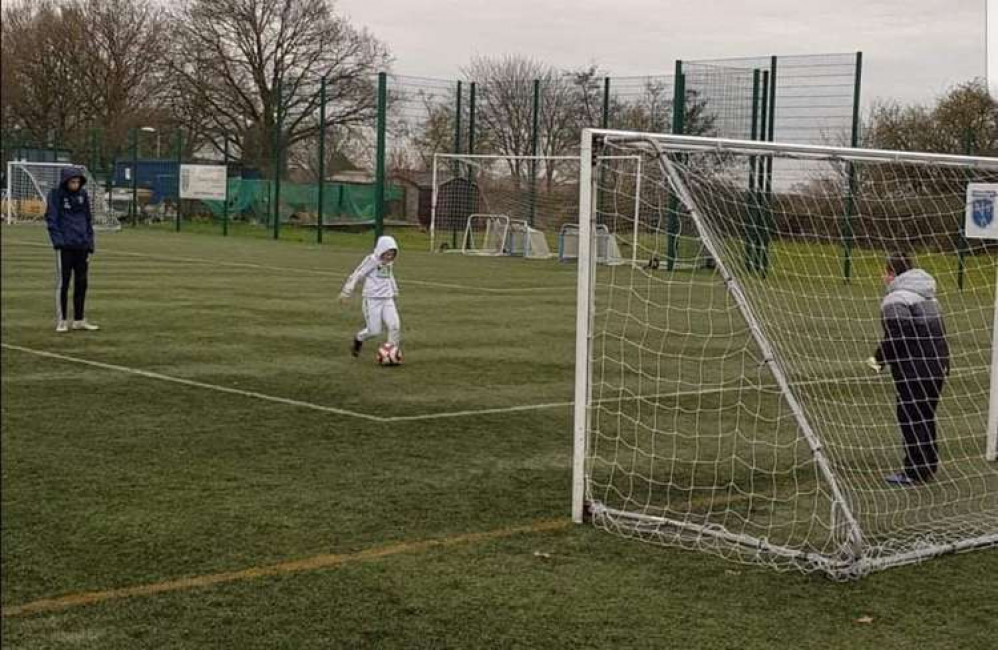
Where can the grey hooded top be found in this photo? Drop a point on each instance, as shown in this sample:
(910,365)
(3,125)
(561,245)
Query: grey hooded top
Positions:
(914,343)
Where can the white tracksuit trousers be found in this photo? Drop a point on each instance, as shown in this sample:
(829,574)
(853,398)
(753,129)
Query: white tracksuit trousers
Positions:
(378,311)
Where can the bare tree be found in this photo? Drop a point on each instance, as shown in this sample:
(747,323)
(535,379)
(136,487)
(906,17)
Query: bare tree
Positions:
(41,45)
(345,147)
(505,105)
(71,66)
(963,120)
(587,92)
(230,57)
(9,90)
(121,68)
(435,132)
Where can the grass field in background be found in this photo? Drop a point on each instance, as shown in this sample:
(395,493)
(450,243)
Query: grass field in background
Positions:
(372,507)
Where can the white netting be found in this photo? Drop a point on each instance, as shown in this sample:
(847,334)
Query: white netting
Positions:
(28,186)
(606,249)
(530,191)
(538,194)
(485,234)
(524,241)
(738,417)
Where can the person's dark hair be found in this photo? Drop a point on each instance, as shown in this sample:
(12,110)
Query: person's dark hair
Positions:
(898,263)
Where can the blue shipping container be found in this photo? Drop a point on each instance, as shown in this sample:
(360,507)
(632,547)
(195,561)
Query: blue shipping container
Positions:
(158,176)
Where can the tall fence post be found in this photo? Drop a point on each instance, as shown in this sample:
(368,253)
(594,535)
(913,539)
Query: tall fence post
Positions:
(471,117)
(962,245)
(225,203)
(605,116)
(751,234)
(322,160)
(94,151)
(534,138)
(278,127)
(379,180)
(133,208)
(850,211)
(771,136)
(678,125)
(180,161)
(109,179)
(761,199)
(456,148)
(457,118)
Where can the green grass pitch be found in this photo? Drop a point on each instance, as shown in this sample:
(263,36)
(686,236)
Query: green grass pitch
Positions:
(327,529)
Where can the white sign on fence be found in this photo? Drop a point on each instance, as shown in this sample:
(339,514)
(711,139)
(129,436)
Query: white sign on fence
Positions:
(203,182)
(982,211)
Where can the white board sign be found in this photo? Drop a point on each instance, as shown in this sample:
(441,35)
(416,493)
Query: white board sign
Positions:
(982,210)
(203,182)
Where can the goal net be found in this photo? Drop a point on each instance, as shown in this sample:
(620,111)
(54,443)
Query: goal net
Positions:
(605,249)
(28,187)
(473,193)
(485,234)
(726,407)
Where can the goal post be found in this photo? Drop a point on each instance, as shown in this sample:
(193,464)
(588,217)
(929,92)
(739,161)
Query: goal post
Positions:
(538,194)
(28,187)
(727,408)
(607,250)
(485,234)
(526,242)
(980,223)
(991,452)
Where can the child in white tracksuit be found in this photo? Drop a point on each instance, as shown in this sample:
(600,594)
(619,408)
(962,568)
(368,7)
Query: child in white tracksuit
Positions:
(377,274)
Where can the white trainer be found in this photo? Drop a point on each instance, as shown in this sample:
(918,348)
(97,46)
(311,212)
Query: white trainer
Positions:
(84,325)
(62,326)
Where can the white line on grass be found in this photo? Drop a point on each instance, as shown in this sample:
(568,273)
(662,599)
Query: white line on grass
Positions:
(196,384)
(396,418)
(461,414)
(249,265)
(633,398)
(329,409)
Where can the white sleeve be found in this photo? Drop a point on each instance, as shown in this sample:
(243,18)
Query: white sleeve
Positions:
(367,265)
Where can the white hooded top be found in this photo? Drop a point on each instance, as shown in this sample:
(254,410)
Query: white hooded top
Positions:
(377,276)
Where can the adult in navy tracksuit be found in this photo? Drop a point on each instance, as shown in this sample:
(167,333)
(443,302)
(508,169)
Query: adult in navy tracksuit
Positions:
(71,229)
(914,346)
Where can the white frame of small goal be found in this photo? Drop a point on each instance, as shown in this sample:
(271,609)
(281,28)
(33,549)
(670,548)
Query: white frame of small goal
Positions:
(445,159)
(104,218)
(855,563)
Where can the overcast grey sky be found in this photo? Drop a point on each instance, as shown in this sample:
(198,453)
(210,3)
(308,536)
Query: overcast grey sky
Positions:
(913,49)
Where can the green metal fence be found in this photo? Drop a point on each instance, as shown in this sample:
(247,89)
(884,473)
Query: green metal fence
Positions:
(375,169)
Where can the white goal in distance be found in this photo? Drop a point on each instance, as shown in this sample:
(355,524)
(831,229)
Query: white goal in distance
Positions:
(475,196)
(28,186)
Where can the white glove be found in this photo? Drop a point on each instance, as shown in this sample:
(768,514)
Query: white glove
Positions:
(873,365)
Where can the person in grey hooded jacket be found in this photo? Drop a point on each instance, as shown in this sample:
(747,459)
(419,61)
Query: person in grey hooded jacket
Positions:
(914,346)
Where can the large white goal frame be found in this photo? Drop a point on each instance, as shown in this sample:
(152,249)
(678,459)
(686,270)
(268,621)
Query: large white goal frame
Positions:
(853,556)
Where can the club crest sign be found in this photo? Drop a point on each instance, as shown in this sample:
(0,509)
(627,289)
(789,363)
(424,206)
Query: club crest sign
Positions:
(980,219)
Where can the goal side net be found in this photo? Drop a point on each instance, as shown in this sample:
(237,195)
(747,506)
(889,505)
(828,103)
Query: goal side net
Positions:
(727,406)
